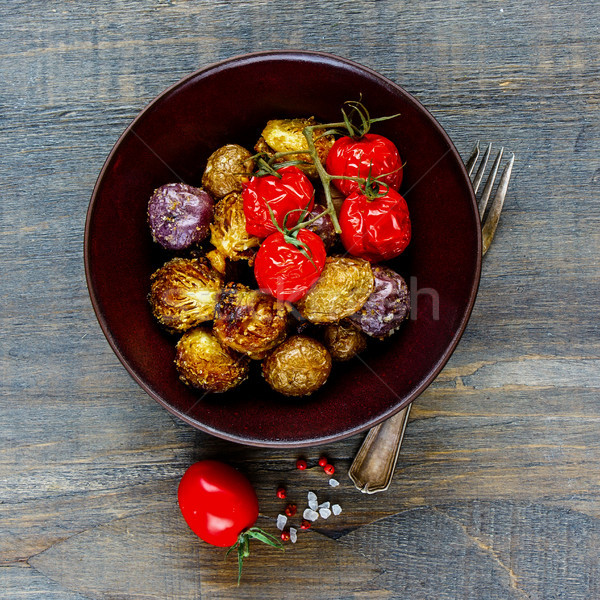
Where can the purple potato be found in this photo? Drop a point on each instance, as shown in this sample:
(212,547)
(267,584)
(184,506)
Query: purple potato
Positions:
(179,215)
(323,227)
(386,308)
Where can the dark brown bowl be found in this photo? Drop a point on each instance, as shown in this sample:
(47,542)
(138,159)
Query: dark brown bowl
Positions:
(230,102)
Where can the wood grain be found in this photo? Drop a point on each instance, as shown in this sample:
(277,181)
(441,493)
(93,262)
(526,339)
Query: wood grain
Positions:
(496,491)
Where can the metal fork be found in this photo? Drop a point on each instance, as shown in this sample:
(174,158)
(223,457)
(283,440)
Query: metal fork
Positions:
(373,467)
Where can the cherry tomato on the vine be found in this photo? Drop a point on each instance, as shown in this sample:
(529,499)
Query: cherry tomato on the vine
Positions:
(217,502)
(286,271)
(293,191)
(370,155)
(375,229)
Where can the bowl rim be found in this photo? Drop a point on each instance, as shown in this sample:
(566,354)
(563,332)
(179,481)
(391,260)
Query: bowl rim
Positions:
(241,59)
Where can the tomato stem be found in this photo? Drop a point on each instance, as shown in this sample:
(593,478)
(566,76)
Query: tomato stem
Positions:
(323,175)
(339,128)
(303,224)
(243,545)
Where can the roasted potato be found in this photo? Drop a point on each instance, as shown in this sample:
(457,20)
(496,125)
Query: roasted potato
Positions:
(297,367)
(203,363)
(323,227)
(341,290)
(337,198)
(184,292)
(179,215)
(225,169)
(229,235)
(249,321)
(285,135)
(388,305)
(343,340)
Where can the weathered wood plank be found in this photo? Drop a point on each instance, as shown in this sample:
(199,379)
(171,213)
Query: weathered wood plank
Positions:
(501,452)
(170,562)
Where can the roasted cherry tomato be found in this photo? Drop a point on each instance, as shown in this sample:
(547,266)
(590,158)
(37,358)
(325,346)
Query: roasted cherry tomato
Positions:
(370,155)
(375,229)
(220,506)
(284,270)
(293,191)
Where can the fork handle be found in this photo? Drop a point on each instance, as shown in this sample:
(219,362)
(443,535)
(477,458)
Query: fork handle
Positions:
(374,464)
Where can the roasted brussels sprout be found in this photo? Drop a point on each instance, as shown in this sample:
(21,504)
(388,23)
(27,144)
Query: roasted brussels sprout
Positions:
(323,227)
(228,233)
(249,321)
(179,215)
(343,340)
(184,292)
(341,290)
(203,363)
(297,367)
(285,135)
(225,168)
(386,307)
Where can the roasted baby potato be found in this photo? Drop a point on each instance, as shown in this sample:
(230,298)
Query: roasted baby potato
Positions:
(341,290)
(203,363)
(336,197)
(184,292)
(179,215)
(249,321)
(228,233)
(343,340)
(285,135)
(225,169)
(388,305)
(297,367)
(323,227)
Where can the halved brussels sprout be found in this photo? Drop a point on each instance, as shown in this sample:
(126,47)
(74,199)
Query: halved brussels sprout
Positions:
(202,362)
(285,135)
(229,235)
(184,293)
(249,321)
(341,290)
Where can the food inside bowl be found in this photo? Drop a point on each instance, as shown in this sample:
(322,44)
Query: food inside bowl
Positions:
(274,267)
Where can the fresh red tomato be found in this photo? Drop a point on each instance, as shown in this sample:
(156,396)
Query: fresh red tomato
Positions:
(370,155)
(220,506)
(293,191)
(375,229)
(283,270)
(217,502)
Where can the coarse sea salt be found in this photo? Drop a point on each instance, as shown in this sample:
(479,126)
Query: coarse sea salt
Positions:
(334,482)
(325,513)
(325,505)
(310,514)
(336,509)
(281,521)
(293,535)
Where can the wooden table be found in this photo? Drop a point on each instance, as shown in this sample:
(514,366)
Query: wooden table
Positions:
(497,490)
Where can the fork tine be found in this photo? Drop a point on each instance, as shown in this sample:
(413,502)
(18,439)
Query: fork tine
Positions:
(470,164)
(487,190)
(481,170)
(489,228)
